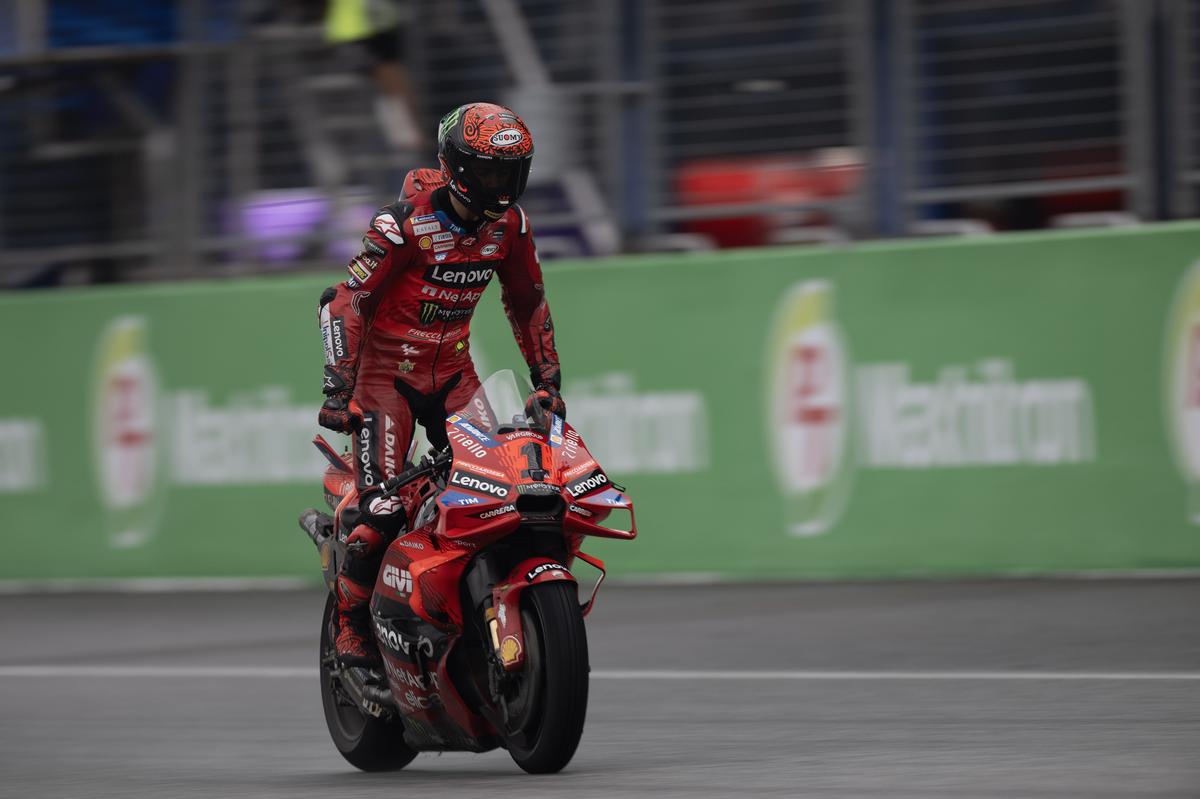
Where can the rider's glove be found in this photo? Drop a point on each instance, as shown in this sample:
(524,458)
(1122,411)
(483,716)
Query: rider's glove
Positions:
(545,398)
(545,374)
(336,413)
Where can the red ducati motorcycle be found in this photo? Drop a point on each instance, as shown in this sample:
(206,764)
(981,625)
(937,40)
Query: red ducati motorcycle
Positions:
(475,612)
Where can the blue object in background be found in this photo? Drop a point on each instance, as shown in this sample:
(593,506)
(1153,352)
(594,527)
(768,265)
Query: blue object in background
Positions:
(8,27)
(86,23)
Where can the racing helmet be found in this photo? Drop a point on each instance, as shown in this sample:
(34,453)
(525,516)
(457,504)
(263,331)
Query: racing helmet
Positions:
(485,152)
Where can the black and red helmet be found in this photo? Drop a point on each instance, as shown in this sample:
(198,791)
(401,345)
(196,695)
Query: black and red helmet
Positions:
(486,151)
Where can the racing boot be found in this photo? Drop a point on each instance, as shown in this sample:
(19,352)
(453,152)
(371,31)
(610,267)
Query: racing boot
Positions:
(354,645)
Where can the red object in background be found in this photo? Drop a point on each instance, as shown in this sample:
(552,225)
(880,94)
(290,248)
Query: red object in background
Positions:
(782,180)
(1091,162)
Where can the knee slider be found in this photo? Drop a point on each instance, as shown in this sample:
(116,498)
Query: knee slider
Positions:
(364,554)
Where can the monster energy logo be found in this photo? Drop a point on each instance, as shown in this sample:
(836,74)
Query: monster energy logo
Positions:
(432,312)
(429,312)
(448,122)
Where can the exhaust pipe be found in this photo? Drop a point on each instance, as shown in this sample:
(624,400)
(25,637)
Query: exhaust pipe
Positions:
(371,697)
(319,527)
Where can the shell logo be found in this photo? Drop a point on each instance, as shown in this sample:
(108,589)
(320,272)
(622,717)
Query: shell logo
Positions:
(1182,371)
(809,428)
(125,440)
(510,649)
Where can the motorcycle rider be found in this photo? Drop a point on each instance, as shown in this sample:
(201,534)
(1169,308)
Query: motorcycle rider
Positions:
(396,332)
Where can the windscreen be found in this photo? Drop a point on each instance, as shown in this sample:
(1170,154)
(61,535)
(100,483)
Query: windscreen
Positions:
(498,403)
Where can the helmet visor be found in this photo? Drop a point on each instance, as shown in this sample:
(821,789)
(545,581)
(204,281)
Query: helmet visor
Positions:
(498,181)
(495,177)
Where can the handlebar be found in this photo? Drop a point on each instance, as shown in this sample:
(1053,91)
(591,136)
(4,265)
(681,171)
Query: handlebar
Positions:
(427,465)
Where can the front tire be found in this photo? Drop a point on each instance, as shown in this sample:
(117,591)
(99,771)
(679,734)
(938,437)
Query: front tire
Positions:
(368,743)
(546,710)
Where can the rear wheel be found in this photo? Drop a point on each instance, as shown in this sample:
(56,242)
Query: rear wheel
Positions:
(546,703)
(368,743)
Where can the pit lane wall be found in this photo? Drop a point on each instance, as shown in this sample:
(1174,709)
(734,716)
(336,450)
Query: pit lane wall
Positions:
(1027,403)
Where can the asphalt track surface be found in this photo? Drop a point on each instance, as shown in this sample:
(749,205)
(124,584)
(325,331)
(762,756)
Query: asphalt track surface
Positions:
(984,689)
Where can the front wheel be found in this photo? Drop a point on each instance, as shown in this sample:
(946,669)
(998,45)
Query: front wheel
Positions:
(368,743)
(547,701)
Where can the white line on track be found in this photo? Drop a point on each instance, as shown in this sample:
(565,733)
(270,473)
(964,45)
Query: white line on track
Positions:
(154,585)
(894,675)
(293,672)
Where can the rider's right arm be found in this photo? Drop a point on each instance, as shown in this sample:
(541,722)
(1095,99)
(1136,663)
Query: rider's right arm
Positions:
(346,308)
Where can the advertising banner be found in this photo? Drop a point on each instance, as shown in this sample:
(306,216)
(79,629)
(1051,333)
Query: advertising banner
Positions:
(1018,404)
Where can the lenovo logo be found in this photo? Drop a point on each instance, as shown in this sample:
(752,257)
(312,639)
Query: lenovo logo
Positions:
(480,484)
(458,276)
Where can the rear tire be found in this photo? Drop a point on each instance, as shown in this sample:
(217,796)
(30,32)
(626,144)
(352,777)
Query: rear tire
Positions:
(550,705)
(368,743)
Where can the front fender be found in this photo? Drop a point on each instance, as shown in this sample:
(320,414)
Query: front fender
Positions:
(506,605)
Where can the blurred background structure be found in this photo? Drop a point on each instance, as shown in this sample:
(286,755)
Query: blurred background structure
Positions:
(153,139)
(974,407)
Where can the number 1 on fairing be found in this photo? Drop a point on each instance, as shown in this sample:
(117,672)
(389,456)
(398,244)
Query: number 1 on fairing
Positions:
(533,456)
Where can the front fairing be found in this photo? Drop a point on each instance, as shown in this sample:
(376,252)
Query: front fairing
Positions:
(510,469)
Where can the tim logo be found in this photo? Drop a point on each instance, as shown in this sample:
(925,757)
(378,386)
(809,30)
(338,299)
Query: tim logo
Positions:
(397,578)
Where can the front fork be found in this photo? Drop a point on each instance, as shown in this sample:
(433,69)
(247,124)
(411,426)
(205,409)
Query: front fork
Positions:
(495,593)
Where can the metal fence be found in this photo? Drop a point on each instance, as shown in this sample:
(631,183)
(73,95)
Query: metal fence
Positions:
(1184,70)
(236,137)
(1018,99)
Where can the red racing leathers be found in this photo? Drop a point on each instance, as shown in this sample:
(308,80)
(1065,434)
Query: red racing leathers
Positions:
(396,332)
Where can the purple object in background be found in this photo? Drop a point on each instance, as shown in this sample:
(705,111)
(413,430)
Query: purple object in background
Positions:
(279,220)
(352,220)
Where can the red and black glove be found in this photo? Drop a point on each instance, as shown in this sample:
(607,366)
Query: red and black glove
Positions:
(336,413)
(545,399)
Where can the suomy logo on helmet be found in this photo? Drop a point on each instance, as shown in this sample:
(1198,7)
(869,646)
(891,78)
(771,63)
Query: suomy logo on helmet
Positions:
(506,138)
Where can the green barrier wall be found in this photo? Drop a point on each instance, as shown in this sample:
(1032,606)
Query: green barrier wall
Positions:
(1027,403)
